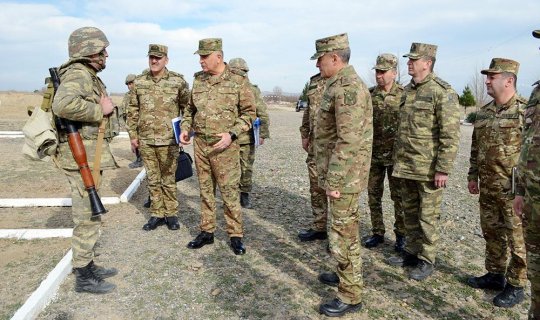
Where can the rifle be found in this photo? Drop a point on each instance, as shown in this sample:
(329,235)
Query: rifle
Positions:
(79,153)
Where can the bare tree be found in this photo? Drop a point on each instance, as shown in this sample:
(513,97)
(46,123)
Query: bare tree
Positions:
(478,88)
(278,93)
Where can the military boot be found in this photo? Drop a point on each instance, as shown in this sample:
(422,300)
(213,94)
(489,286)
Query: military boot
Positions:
(137,163)
(399,246)
(373,241)
(87,281)
(148,202)
(509,297)
(422,270)
(102,272)
(244,200)
(493,281)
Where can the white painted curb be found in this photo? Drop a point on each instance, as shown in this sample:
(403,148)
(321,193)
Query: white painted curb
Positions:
(29,234)
(133,186)
(47,202)
(46,290)
(19,134)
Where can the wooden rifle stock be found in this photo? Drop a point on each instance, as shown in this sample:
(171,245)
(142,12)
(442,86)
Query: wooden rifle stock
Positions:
(79,154)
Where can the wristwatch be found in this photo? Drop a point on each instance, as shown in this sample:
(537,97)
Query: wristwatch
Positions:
(233,135)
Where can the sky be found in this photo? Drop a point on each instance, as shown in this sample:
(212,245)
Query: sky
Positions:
(275,37)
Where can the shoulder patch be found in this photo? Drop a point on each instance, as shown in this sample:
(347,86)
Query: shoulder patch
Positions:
(349,97)
(442,83)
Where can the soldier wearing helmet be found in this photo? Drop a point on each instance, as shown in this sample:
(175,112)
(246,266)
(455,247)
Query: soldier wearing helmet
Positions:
(246,140)
(82,97)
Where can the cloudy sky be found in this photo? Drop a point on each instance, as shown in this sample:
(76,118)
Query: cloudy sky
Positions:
(276,37)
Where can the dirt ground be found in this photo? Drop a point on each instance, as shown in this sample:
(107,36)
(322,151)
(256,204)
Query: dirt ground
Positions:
(277,279)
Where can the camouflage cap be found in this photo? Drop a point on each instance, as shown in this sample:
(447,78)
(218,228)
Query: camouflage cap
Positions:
(239,63)
(536,33)
(157,50)
(386,61)
(419,50)
(329,44)
(86,41)
(500,65)
(209,45)
(130,78)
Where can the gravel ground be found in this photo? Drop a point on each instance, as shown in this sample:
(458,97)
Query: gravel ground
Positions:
(277,278)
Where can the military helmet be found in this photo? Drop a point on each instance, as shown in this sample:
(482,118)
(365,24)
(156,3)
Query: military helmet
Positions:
(86,41)
(239,63)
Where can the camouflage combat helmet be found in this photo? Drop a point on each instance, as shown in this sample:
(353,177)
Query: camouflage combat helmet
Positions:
(239,63)
(86,41)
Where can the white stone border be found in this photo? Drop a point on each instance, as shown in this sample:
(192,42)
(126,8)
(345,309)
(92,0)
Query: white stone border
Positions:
(133,186)
(29,234)
(46,290)
(19,134)
(47,202)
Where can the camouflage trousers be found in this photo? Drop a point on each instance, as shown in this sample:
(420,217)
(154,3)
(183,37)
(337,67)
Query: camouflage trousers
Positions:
(421,203)
(344,238)
(221,168)
(377,173)
(531,224)
(87,229)
(247,158)
(319,202)
(502,230)
(160,165)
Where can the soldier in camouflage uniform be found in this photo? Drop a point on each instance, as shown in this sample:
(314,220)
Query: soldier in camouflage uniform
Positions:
(386,97)
(319,203)
(343,137)
(137,163)
(424,153)
(246,140)
(527,200)
(221,107)
(496,142)
(158,96)
(82,97)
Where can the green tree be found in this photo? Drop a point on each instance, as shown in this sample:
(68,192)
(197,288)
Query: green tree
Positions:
(467,99)
(303,96)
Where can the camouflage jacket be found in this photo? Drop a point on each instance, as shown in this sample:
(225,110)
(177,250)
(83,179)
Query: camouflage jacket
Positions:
(154,102)
(78,99)
(314,95)
(496,143)
(428,134)
(343,133)
(529,160)
(218,104)
(385,122)
(122,110)
(260,112)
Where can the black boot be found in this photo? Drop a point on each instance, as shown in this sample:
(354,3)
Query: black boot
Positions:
(400,243)
(172,223)
(87,281)
(337,308)
(148,202)
(493,281)
(244,200)
(136,164)
(403,259)
(509,297)
(422,270)
(329,278)
(311,235)
(237,246)
(373,241)
(102,272)
(153,223)
(201,240)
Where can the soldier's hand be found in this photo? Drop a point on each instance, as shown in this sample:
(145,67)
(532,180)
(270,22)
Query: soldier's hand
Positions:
(184,138)
(107,105)
(261,141)
(224,142)
(440,179)
(333,194)
(134,145)
(473,187)
(305,144)
(518,206)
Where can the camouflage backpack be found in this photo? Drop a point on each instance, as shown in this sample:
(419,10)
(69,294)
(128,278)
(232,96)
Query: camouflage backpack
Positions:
(40,135)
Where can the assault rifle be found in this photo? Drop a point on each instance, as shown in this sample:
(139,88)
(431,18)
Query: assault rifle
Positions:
(79,153)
